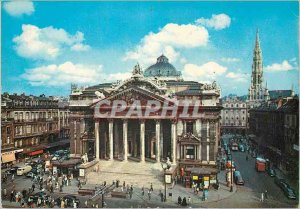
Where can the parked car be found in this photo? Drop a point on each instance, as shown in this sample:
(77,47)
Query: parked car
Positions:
(288,191)
(239,180)
(30,175)
(236,173)
(14,169)
(271,172)
(55,157)
(23,170)
(8,172)
(241,148)
(37,195)
(70,199)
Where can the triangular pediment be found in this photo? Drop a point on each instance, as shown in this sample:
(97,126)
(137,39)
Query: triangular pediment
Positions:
(189,138)
(132,94)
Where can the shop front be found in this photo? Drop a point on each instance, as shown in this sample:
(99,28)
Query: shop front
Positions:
(8,157)
(66,167)
(202,177)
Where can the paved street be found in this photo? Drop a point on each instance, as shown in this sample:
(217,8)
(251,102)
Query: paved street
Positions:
(243,196)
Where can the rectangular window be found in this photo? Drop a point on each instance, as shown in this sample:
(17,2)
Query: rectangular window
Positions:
(204,129)
(16,116)
(190,152)
(204,151)
(189,127)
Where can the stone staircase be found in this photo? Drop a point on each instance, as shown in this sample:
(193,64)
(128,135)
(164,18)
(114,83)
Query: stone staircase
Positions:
(133,173)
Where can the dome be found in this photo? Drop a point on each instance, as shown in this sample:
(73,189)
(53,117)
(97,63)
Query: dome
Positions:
(162,68)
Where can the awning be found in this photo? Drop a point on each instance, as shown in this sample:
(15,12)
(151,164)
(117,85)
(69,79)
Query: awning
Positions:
(36,152)
(8,157)
(59,143)
(203,170)
(66,163)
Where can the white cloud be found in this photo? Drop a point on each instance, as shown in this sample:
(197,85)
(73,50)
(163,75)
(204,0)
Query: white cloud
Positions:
(18,7)
(170,38)
(237,76)
(80,47)
(206,71)
(68,72)
(284,66)
(46,43)
(230,59)
(217,22)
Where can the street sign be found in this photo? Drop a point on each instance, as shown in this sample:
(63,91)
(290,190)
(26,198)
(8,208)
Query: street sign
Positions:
(81,172)
(168,179)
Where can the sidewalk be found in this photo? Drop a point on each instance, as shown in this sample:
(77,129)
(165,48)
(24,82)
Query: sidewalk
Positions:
(178,190)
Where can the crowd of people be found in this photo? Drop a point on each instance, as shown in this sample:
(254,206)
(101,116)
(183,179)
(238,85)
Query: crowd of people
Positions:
(36,196)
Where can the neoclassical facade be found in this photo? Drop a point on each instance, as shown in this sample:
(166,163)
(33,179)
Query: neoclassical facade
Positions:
(234,116)
(147,118)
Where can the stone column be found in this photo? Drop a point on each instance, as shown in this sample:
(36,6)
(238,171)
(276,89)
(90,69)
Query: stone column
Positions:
(207,127)
(173,142)
(142,140)
(200,136)
(184,126)
(97,140)
(63,119)
(125,143)
(111,138)
(59,123)
(157,133)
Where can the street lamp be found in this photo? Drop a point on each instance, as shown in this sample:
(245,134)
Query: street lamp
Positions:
(165,166)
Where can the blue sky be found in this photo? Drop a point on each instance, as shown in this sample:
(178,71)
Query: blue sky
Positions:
(48,45)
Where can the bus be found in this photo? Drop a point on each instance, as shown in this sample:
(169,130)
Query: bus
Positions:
(234,146)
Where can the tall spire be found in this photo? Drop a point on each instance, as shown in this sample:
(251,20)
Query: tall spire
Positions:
(256,87)
(257,44)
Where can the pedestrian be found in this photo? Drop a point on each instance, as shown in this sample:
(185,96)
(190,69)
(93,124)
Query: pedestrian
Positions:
(39,202)
(161,196)
(13,177)
(130,194)
(197,189)
(189,200)
(179,200)
(149,194)
(74,204)
(262,197)
(184,203)
(143,191)
(12,196)
(62,203)
(4,192)
(131,188)
(266,194)
(124,185)
(66,202)
(51,188)
(151,187)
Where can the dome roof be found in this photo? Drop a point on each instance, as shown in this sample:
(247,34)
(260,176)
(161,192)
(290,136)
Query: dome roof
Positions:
(162,68)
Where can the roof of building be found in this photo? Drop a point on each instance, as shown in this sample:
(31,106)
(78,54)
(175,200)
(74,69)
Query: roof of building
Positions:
(291,105)
(98,86)
(162,68)
(275,94)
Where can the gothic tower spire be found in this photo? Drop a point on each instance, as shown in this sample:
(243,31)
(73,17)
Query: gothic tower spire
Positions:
(256,89)
(257,70)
